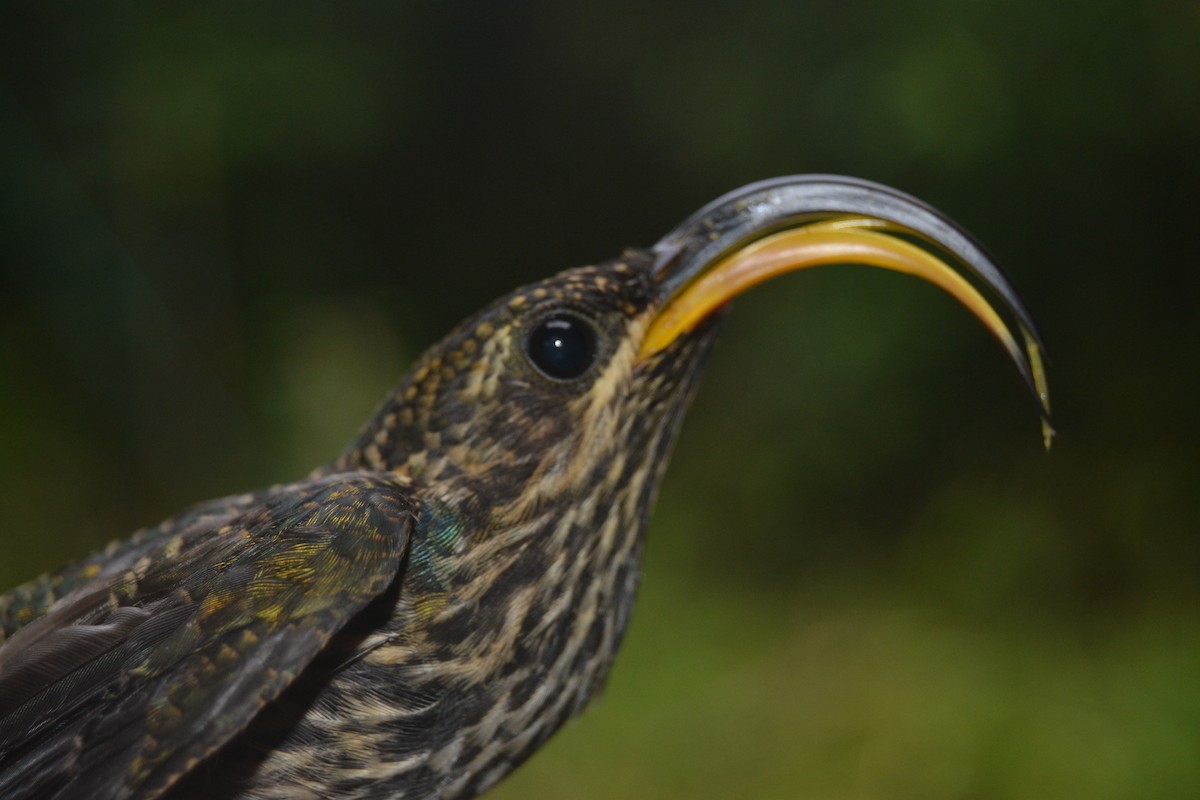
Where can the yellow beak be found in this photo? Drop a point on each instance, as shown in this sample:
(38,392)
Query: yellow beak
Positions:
(696,283)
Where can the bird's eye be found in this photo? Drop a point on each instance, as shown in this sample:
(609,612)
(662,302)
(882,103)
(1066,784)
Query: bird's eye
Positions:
(562,346)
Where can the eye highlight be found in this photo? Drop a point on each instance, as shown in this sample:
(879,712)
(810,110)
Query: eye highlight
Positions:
(562,346)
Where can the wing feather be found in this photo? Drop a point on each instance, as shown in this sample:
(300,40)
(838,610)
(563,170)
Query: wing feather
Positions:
(127,683)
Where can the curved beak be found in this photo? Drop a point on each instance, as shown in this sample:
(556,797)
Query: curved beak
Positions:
(786,224)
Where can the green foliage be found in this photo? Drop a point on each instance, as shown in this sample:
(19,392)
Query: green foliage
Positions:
(225,230)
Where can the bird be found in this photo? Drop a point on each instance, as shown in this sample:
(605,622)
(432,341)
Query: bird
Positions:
(415,618)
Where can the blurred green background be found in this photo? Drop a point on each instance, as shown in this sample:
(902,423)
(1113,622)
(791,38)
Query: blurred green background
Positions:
(227,229)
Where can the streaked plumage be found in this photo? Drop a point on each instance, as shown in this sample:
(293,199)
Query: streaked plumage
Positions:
(416,618)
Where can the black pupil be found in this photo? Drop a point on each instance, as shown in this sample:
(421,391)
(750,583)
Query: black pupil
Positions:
(562,346)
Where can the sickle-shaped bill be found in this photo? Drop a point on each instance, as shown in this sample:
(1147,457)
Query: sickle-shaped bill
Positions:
(789,224)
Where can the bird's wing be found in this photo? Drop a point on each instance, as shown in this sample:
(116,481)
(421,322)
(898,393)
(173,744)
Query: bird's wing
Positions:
(23,604)
(128,683)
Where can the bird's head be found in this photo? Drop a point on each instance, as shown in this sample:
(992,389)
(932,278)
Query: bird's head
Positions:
(543,393)
(574,387)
